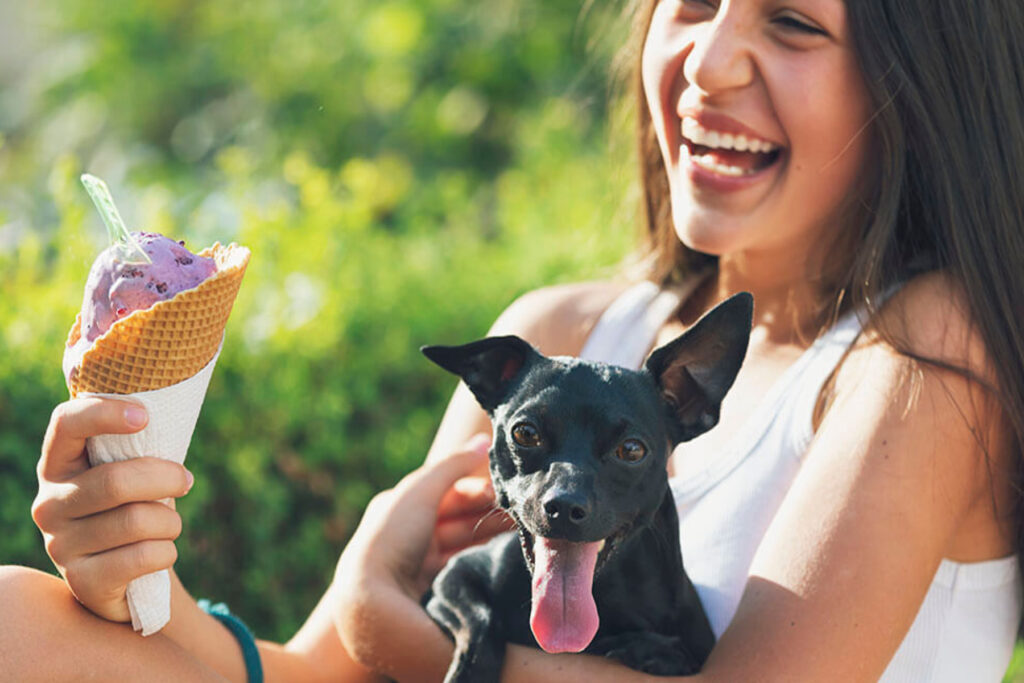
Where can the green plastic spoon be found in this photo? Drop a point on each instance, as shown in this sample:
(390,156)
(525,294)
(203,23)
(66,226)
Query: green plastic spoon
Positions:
(128,249)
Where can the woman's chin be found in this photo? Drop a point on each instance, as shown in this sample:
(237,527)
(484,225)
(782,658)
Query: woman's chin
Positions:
(714,240)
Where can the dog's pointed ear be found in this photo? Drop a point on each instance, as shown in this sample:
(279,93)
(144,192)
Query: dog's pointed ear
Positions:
(696,369)
(488,366)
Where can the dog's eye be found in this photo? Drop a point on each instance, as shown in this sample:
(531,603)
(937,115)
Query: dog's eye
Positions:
(631,450)
(525,434)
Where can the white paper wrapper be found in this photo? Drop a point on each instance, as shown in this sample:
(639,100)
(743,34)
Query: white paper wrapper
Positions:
(173,413)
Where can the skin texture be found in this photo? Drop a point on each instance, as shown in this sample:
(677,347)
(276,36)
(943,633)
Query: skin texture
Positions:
(907,465)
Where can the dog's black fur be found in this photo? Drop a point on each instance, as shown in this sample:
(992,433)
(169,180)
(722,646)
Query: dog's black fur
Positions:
(564,465)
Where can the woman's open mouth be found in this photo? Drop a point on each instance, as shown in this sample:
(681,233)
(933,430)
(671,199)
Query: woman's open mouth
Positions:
(726,155)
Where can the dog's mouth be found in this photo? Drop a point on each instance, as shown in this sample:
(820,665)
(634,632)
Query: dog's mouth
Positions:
(605,547)
(563,615)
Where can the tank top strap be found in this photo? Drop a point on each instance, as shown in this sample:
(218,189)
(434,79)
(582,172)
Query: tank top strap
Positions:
(627,329)
(807,377)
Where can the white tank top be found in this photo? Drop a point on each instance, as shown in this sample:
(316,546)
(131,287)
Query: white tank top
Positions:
(966,627)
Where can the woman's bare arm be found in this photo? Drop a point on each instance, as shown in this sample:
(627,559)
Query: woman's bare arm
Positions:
(894,473)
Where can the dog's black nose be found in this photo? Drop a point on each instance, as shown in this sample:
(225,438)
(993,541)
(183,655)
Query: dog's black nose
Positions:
(565,508)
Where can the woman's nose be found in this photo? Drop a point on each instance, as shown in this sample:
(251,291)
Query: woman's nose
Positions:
(721,57)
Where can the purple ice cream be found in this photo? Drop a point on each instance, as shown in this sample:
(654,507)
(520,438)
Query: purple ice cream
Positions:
(116,289)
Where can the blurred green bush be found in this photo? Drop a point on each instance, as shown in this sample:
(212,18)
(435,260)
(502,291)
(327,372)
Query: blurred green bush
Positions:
(400,170)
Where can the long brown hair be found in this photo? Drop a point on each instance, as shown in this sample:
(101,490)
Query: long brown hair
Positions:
(946,192)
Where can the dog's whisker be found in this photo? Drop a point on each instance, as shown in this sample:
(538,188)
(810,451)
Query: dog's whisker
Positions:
(490,513)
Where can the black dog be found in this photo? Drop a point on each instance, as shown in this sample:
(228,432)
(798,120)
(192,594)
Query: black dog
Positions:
(579,463)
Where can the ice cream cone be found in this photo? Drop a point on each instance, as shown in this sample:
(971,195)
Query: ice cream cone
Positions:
(162,358)
(168,342)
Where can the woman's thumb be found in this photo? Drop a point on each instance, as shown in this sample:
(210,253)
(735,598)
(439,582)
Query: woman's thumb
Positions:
(432,480)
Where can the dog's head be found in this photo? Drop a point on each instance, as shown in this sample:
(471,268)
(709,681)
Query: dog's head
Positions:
(580,448)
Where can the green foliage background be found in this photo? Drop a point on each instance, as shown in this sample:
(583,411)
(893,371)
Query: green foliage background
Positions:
(401,171)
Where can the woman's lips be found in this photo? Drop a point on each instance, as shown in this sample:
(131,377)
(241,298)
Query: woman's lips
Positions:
(712,170)
(716,121)
(699,134)
(720,154)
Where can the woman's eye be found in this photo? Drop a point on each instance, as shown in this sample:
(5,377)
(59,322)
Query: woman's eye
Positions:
(526,435)
(795,24)
(631,450)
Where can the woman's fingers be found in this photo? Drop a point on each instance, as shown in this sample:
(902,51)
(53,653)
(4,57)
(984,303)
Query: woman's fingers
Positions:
(99,580)
(72,422)
(111,485)
(468,513)
(454,534)
(106,487)
(396,535)
(399,523)
(471,495)
(124,526)
(429,483)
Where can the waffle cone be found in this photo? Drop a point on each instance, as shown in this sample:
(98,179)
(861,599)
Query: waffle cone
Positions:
(168,342)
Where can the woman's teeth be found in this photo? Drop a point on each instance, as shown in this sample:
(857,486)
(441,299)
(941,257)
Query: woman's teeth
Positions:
(699,135)
(706,162)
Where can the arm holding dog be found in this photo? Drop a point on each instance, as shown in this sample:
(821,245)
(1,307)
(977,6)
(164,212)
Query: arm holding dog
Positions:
(894,473)
(897,479)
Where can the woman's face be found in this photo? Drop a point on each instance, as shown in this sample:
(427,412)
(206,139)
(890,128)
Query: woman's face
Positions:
(760,111)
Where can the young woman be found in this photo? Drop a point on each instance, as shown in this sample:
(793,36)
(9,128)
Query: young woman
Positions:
(854,514)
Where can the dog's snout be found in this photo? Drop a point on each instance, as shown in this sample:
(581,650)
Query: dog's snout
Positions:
(565,508)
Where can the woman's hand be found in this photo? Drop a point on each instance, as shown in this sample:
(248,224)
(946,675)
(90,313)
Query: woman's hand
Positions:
(385,569)
(401,536)
(101,525)
(467,514)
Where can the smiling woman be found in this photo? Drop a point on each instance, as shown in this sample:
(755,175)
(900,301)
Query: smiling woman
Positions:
(857,496)
(854,511)
(785,84)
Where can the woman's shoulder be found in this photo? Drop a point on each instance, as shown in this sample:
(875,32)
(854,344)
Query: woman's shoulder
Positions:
(919,390)
(930,318)
(921,351)
(558,319)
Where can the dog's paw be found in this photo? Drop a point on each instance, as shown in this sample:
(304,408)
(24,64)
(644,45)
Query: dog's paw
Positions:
(651,653)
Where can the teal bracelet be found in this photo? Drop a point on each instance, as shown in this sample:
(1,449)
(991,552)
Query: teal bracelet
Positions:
(241,632)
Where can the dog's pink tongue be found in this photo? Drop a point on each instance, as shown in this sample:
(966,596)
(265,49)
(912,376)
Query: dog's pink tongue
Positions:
(564,615)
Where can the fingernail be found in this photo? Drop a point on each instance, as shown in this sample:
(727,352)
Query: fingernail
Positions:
(134,416)
(189,480)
